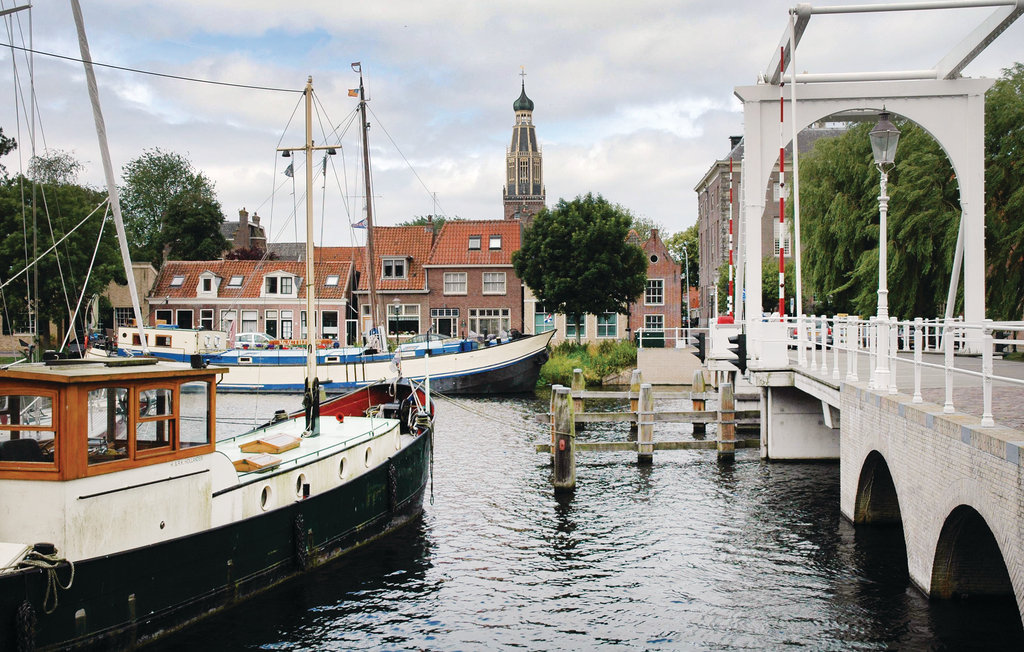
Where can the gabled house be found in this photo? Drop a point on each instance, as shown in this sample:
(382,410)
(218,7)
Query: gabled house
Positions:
(401,279)
(473,286)
(242,296)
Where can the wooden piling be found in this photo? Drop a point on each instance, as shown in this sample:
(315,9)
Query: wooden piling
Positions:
(564,468)
(645,432)
(635,380)
(726,422)
(699,387)
(578,385)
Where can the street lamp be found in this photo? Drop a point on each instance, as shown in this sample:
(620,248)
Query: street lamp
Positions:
(884,138)
(686,292)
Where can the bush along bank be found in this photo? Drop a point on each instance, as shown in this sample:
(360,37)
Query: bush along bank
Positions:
(597,361)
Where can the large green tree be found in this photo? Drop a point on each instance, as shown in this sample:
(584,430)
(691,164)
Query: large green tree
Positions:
(7,145)
(62,272)
(576,259)
(1004,195)
(192,228)
(151,181)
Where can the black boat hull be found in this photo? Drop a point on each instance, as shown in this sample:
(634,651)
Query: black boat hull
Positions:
(126,599)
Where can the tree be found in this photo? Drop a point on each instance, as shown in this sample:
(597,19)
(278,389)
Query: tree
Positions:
(63,272)
(675,243)
(55,167)
(576,259)
(437,221)
(151,181)
(250,253)
(7,145)
(1004,195)
(642,225)
(192,227)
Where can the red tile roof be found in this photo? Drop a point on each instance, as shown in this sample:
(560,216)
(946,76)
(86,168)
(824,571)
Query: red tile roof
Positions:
(409,242)
(452,246)
(252,273)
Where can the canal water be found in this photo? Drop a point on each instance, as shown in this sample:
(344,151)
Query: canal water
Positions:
(686,554)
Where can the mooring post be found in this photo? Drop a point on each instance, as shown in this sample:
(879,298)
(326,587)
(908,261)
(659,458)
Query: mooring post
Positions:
(578,385)
(698,387)
(635,380)
(564,475)
(726,422)
(551,411)
(645,419)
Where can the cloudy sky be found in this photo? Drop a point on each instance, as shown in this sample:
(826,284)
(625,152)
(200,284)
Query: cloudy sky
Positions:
(634,100)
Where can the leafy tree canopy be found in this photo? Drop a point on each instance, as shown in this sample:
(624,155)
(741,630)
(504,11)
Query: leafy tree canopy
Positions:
(250,253)
(192,227)
(62,273)
(151,181)
(55,167)
(642,225)
(7,145)
(576,259)
(436,220)
(675,242)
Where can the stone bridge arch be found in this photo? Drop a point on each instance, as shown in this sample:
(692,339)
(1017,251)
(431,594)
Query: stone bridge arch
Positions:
(968,560)
(877,500)
(951,110)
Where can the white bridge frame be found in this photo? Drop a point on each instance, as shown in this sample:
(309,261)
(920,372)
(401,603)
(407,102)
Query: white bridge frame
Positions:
(950,108)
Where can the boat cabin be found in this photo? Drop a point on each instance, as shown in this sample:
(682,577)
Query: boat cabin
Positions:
(70,419)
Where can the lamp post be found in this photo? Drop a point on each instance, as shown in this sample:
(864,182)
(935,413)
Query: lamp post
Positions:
(884,138)
(686,292)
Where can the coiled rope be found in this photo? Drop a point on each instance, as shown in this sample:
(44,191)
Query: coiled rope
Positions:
(49,564)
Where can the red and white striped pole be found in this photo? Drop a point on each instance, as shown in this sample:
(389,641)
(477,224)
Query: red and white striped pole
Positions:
(782,186)
(732,268)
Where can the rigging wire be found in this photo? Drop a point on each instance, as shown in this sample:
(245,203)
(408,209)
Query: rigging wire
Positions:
(74,316)
(402,154)
(152,73)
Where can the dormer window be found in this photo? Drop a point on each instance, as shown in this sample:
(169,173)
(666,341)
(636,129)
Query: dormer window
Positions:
(177,281)
(474,242)
(279,285)
(495,242)
(332,280)
(235,281)
(206,284)
(394,268)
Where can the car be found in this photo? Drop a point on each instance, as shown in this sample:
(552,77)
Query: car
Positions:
(252,341)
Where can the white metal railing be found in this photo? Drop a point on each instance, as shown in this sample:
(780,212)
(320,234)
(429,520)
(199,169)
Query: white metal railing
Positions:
(668,338)
(825,344)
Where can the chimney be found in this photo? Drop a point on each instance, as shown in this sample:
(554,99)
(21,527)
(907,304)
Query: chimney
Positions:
(654,234)
(243,217)
(734,141)
(256,219)
(242,233)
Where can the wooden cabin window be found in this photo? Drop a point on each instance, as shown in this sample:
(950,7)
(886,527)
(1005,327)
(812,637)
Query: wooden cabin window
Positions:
(155,428)
(195,414)
(108,424)
(27,431)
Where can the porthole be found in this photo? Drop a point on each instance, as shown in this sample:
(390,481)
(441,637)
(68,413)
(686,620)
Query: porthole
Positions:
(341,468)
(654,258)
(265,498)
(369,454)
(299,482)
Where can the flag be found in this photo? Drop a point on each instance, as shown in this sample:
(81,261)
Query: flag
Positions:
(549,318)
(289,171)
(396,363)
(353,92)
(361,224)
(357,67)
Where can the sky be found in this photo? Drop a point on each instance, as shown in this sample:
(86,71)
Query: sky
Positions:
(633,100)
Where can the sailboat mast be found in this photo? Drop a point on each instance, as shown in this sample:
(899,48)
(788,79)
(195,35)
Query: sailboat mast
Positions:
(108,172)
(371,265)
(310,273)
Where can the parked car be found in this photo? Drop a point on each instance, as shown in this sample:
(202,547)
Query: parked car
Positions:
(252,341)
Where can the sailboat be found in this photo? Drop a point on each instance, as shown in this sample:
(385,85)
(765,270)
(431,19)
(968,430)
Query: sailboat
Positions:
(125,519)
(501,365)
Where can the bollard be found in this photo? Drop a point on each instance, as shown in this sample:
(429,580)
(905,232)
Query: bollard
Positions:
(700,430)
(551,411)
(645,419)
(635,380)
(564,474)
(578,385)
(726,422)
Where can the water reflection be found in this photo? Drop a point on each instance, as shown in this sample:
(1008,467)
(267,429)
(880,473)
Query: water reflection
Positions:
(687,553)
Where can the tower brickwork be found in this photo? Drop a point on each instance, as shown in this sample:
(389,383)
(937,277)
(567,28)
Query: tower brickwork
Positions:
(523,193)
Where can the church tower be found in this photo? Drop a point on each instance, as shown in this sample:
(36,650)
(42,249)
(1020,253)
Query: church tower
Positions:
(524,181)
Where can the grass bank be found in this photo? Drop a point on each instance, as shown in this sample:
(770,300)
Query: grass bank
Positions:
(596,360)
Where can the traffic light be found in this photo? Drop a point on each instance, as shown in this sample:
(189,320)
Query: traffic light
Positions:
(740,350)
(702,346)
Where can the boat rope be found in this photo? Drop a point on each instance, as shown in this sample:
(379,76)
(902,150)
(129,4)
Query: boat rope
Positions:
(49,564)
(464,405)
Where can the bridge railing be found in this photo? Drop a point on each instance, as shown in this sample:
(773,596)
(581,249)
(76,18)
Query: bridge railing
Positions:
(667,338)
(824,344)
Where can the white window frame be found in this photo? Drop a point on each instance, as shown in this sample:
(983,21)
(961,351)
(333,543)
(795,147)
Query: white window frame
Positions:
(402,312)
(503,315)
(570,327)
(394,267)
(206,318)
(250,322)
(654,322)
(496,283)
(235,281)
(494,242)
(456,283)
(177,281)
(332,280)
(654,293)
(474,242)
(610,326)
